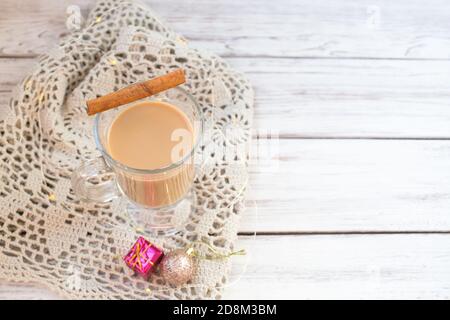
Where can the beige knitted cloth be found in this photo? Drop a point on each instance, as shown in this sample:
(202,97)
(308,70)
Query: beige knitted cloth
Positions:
(50,237)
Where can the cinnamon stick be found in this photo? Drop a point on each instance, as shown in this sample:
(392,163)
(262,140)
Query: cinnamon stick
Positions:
(135,92)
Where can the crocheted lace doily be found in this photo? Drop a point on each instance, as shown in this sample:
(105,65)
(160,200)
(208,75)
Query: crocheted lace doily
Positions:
(47,235)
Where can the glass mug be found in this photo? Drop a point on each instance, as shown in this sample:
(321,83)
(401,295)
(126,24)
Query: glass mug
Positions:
(161,199)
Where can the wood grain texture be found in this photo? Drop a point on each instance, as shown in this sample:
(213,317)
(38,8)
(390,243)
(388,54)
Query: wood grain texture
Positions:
(292,28)
(326,267)
(333,98)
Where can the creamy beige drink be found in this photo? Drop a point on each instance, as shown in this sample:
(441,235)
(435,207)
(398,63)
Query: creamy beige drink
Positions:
(153,135)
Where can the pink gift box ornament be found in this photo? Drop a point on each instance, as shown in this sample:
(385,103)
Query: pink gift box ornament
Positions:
(143,256)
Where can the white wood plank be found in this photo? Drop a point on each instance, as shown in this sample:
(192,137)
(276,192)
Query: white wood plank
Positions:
(334,98)
(294,28)
(345,267)
(352,185)
(327,267)
(357,185)
(350,98)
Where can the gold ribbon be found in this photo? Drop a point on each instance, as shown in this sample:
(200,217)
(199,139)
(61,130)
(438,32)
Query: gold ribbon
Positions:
(137,255)
(216,255)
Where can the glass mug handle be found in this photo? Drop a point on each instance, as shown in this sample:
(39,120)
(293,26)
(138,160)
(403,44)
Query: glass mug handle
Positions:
(95,181)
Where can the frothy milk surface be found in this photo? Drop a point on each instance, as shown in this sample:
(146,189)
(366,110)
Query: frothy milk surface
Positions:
(141,136)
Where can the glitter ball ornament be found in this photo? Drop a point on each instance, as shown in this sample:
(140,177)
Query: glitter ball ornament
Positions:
(178,267)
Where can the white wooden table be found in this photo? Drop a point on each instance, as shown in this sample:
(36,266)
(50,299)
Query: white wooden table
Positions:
(359,93)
